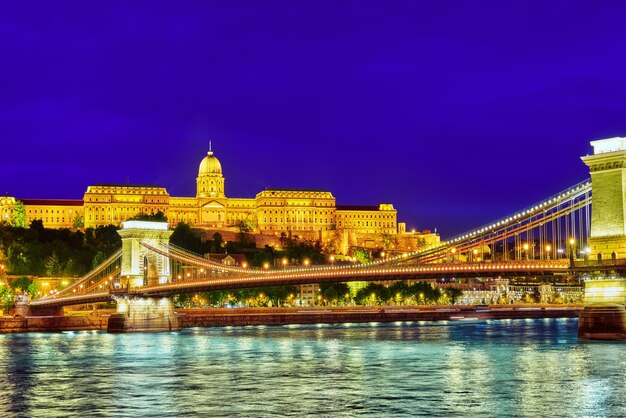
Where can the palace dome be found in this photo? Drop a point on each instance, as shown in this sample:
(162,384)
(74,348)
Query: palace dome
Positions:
(210,165)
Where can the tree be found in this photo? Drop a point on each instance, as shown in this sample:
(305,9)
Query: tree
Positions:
(78,222)
(453,293)
(362,256)
(217,242)
(36,225)
(331,295)
(425,292)
(184,237)
(7,298)
(245,226)
(108,239)
(155,217)
(21,285)
(53,266)
(19,215)
(98,259)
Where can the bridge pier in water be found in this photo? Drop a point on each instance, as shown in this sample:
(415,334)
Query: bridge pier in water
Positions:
(141,267)
(604,316)
(142,314)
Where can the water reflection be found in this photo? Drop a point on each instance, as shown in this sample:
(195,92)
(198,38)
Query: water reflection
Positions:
(490,368)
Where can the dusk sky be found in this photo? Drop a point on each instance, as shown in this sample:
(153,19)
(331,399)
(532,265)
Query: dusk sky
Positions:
(458,113)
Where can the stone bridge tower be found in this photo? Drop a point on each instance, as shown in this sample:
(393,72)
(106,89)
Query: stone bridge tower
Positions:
(140,266)
(608,199)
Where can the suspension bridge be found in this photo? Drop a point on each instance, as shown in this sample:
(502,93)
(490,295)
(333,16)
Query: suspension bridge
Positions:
(558,235)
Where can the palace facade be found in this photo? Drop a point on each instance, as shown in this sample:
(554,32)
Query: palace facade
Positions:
(311,214)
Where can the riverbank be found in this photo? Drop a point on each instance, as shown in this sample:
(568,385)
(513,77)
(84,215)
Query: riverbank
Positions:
(219,317)
(10,325)
(289,316)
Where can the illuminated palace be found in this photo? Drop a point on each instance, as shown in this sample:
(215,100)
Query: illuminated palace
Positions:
(310,214)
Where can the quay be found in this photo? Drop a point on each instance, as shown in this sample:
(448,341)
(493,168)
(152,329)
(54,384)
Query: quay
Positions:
(218,317)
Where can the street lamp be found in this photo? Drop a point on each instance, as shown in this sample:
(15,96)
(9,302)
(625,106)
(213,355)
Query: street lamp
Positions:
(525,247)
(548,249)
(284,262)
(306,262)
(572,243)
(332,259)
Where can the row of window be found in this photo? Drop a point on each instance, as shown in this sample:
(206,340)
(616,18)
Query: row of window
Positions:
(34,211)
(126,191)
(366,224)
(362,216)
(283,203)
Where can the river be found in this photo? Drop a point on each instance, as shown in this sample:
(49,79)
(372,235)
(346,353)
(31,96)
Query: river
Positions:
(464,368)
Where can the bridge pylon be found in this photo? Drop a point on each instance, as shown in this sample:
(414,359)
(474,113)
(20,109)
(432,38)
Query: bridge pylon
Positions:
(607,166)
(604,316)
(142,267)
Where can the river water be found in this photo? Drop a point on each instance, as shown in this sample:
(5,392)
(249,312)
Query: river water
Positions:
(534,368)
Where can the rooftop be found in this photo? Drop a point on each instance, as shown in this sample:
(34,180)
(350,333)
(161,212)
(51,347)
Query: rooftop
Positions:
(52,202)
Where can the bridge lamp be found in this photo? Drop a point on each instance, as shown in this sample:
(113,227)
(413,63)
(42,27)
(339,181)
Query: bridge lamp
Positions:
(266,265)
(284,262)
(244,265)
(548,247)
(306,262)
(572,241)
(332,259)
(525,246)
(382,254)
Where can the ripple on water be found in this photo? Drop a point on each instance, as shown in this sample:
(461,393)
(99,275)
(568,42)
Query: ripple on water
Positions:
(490,368)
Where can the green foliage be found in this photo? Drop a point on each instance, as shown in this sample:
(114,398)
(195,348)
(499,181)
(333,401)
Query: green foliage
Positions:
(21,284)
(40,251)
(36,225)
(98,259)
(78,222)
(108,238)
(7,298)
(335,293)
(255,297)
(18,219)
(53,265)
(267,255)
(453,294)
(184,237)
(425,292)
(155,217)
(32,289)
(218,242)
(362,256)
(372,294)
